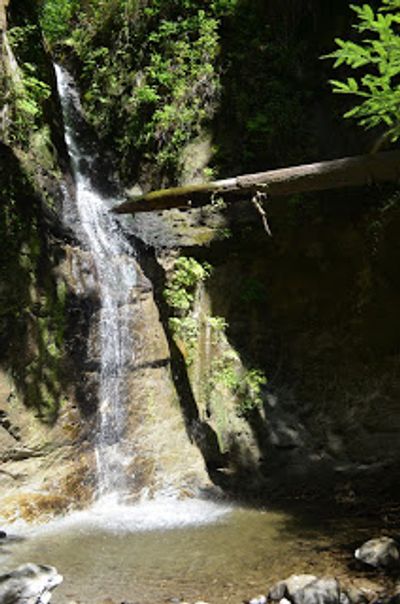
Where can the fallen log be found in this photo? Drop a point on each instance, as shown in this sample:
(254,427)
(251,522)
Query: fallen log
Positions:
(338,173)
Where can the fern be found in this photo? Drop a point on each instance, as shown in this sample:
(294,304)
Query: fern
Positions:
(376,63)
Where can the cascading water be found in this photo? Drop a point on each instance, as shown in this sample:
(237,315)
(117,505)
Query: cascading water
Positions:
(101,235)
(100,232)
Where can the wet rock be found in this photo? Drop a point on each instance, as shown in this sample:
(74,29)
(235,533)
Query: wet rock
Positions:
(261,599)
(352,595)
(29,584)
(3,535)
(307,589)
(290,585)
(382,552)
(321,591)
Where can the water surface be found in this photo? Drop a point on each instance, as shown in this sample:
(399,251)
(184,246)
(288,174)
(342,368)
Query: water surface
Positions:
(194,550)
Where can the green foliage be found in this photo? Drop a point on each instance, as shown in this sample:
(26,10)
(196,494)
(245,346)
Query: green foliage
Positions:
(223,233)
(250,390)
(31,93)
(186,275)
(148,72)
(245,385)
(55,18)
(217,324)
(27,92)
(376,65)
(186,329)
(180,294)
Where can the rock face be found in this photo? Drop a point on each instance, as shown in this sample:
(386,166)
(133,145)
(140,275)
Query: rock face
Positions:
(311,307)
(382,552)
(41,435)
(29,584)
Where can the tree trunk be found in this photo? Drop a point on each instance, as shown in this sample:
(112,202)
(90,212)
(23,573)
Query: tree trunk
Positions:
(347,172)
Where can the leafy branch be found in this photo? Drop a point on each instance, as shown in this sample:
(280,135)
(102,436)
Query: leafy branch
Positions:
(377,60)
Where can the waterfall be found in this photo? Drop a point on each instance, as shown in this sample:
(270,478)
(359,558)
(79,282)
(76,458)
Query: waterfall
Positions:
(99,232)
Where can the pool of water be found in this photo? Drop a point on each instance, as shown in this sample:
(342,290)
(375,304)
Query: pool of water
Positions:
(193,550)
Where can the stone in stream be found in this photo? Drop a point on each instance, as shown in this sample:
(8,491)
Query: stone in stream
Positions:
(284,589)
(29,584)
(308,589)
(261,599)
(382,552)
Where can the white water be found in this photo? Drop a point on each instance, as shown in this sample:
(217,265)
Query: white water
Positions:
(100,232)
(109,515)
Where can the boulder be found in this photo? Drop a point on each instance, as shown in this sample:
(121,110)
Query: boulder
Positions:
(382,552)
(29,584)
(290,585)
(307,589)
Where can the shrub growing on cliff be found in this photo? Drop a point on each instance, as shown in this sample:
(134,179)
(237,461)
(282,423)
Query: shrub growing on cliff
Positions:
(244,385)
(185,277)
(147,71)
(375,61)
(56,17)
(27,92)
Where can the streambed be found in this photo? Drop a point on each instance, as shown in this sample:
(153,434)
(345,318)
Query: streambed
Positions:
(194,550)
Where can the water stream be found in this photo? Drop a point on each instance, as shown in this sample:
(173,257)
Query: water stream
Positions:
(102,236)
